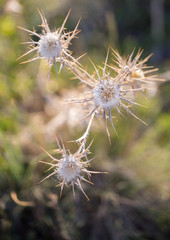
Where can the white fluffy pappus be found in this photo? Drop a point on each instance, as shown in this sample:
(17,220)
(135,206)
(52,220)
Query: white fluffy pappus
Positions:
(106,94)
(50,45)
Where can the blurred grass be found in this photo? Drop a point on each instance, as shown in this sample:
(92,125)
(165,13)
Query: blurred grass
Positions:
(132,200)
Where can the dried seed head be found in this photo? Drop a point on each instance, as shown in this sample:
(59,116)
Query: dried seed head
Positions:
(106,94)
(70,168)
(52,46)
(138,74)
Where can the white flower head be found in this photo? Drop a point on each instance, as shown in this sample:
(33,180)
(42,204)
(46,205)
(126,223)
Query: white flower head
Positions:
(70,168)
(52,46)
(107,94)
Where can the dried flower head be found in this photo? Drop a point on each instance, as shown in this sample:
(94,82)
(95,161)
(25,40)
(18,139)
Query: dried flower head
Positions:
(52,46)
(70,168)
(138,73)
(107,93)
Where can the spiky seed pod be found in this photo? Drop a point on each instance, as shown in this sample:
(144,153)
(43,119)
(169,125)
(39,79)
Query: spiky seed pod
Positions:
(107,93)
(139,75)
(70,168)
(52,46)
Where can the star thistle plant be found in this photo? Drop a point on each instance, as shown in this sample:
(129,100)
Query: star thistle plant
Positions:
(108,93)
(138,73)
(52,46)
(112,89)
(70,168)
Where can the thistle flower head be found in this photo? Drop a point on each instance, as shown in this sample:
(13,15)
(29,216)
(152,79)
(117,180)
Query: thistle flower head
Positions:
(52,46)
(70,168)
(108,93)
(138,74)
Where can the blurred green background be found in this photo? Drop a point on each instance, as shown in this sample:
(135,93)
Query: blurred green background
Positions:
(132,202)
